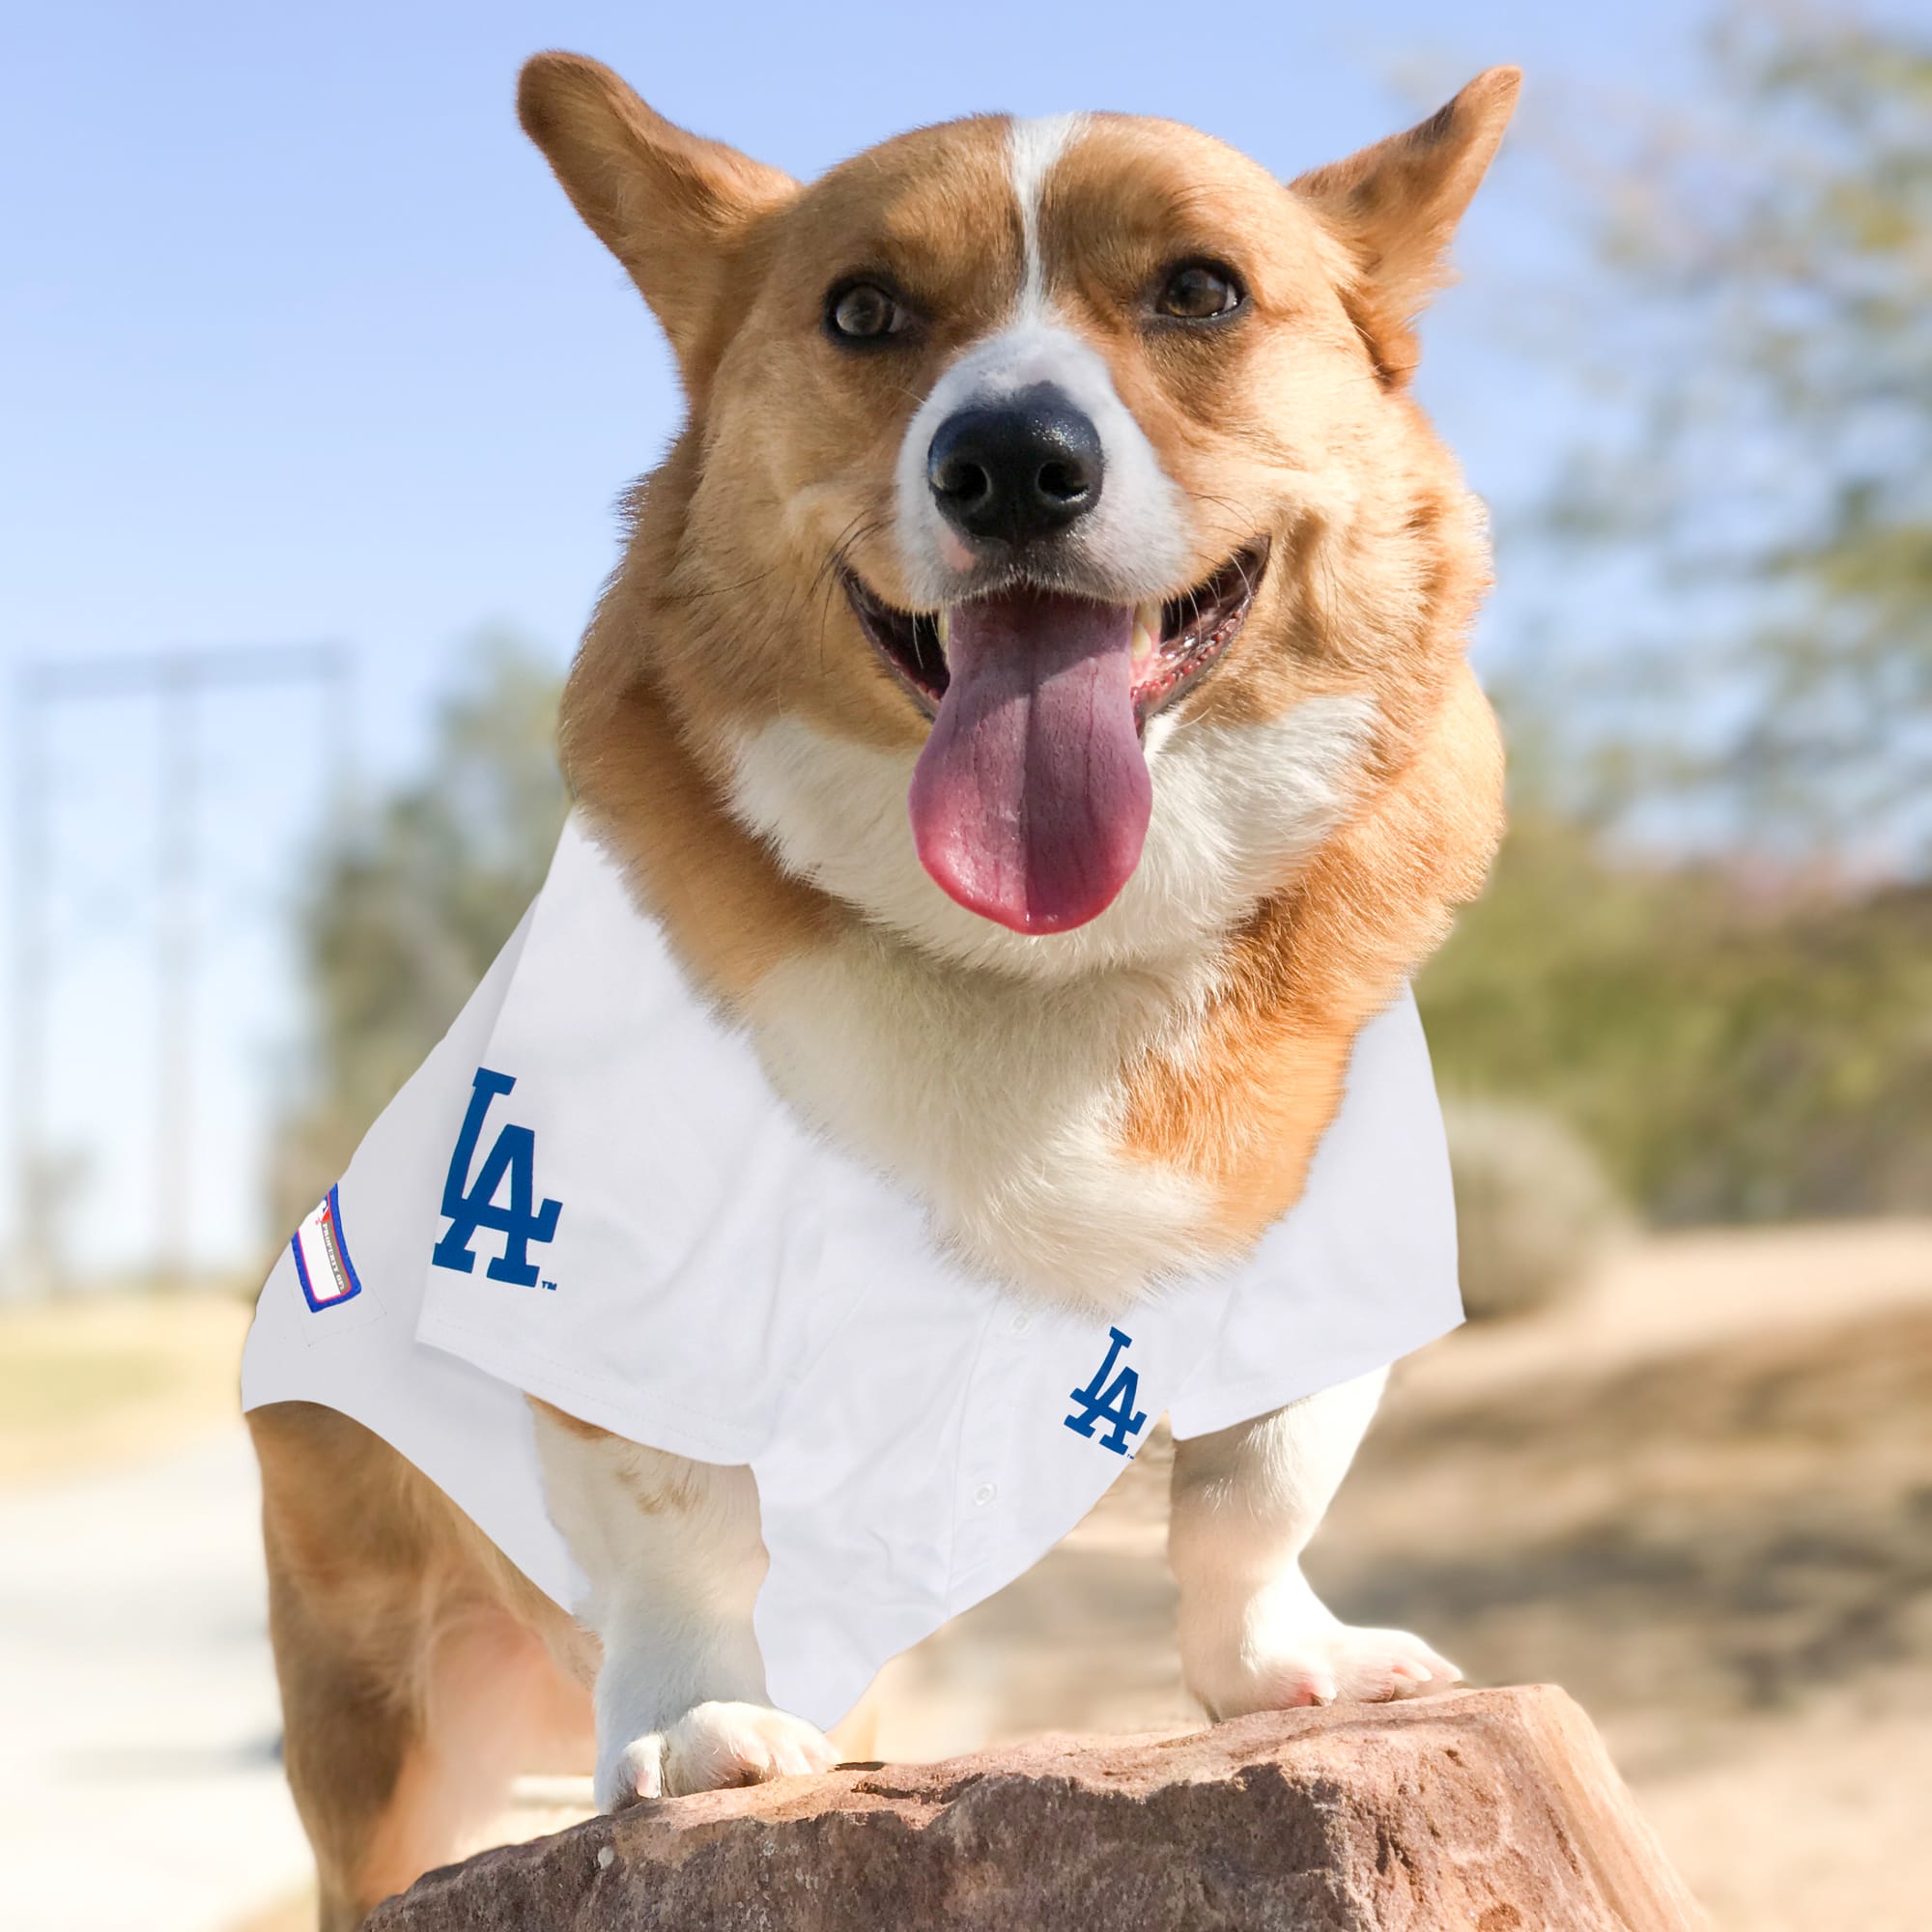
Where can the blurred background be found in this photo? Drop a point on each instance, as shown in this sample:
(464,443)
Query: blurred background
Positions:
(317,401)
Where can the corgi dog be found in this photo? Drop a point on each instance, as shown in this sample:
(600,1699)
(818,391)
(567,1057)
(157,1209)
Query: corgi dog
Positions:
(1032,702)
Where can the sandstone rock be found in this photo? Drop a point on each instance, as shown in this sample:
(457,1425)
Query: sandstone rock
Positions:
(1495,1810)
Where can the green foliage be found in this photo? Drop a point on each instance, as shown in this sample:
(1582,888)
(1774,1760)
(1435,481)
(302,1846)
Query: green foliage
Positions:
(410,901)
(1748,1033)
(1733,1051)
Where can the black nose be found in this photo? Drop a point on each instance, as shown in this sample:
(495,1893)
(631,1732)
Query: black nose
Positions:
(1017,469)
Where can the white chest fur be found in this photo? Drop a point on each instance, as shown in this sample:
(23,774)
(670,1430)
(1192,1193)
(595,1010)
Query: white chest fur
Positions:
(999,1102)
(984,1068)
(1236,809)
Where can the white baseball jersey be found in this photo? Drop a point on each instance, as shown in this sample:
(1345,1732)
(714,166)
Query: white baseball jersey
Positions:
(589,1192)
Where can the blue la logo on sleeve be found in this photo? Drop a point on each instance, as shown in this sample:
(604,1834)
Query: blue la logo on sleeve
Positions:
(469,1206)
(1105,1401)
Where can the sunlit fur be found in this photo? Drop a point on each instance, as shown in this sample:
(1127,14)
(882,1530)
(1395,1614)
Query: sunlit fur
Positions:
(1320,799)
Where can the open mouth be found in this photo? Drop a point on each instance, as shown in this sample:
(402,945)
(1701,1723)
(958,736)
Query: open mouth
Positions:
(1174,643)
(1032,797)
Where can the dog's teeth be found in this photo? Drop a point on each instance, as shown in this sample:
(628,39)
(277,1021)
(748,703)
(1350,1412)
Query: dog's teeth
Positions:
(1147,632)
(943,624)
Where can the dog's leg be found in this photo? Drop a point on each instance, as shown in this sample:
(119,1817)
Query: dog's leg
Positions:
(672,1553)
(418,1672)
(1253,1637)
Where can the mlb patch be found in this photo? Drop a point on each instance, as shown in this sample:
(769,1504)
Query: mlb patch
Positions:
(326,1274)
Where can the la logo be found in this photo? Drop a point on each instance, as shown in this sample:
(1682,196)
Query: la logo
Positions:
(1104,1401)
(469,1206)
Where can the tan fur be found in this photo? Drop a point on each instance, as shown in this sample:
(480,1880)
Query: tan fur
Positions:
(1395,204)
(1315,964)
(419,1670)
(663,1483)
(730,912)
(726,613)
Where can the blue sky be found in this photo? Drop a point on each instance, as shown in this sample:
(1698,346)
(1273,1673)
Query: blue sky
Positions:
(299,340)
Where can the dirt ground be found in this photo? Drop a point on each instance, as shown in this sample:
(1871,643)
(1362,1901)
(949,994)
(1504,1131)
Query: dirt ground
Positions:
(1700,1498)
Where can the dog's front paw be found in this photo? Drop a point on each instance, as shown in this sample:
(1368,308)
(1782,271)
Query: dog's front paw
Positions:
(1335,1663)
(711,1746)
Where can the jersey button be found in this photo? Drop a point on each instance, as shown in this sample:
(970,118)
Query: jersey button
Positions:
(984,1495)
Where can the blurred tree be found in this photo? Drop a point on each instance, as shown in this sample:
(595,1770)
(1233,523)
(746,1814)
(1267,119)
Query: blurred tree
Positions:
(410,900)
(1702,946)
(1735,1049)
(1761,321)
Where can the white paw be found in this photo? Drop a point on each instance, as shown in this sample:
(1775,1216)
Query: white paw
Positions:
(1338,1665)
(711,1746)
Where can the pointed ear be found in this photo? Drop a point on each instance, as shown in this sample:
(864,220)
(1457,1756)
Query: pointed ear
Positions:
(670,206)
(1394,206)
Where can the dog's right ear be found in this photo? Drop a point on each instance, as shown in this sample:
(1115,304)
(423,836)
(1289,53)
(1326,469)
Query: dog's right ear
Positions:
(673,207)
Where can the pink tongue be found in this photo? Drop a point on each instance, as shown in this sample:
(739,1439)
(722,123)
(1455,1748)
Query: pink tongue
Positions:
(1030,802)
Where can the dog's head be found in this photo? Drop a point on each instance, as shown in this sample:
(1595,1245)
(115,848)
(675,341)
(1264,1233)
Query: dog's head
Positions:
(1052,548)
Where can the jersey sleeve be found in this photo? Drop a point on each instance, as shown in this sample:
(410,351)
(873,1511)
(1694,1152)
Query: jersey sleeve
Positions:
(623,1219)
(1362,1269)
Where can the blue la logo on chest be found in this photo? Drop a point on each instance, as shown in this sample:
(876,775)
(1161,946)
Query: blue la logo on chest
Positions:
(1110,1398)
(471,1205)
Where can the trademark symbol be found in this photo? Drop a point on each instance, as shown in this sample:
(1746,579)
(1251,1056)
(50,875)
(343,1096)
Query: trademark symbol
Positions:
(551,1286)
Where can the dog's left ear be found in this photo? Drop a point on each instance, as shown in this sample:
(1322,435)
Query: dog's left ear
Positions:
(673,207)
(1395,205)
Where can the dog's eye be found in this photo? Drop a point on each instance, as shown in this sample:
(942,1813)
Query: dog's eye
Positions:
(864,312)
(1199,290)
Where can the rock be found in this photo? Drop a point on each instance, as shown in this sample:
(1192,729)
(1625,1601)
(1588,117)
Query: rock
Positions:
(1494,1810)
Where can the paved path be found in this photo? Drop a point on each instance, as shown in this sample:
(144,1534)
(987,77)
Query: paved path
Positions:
(139,1784)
